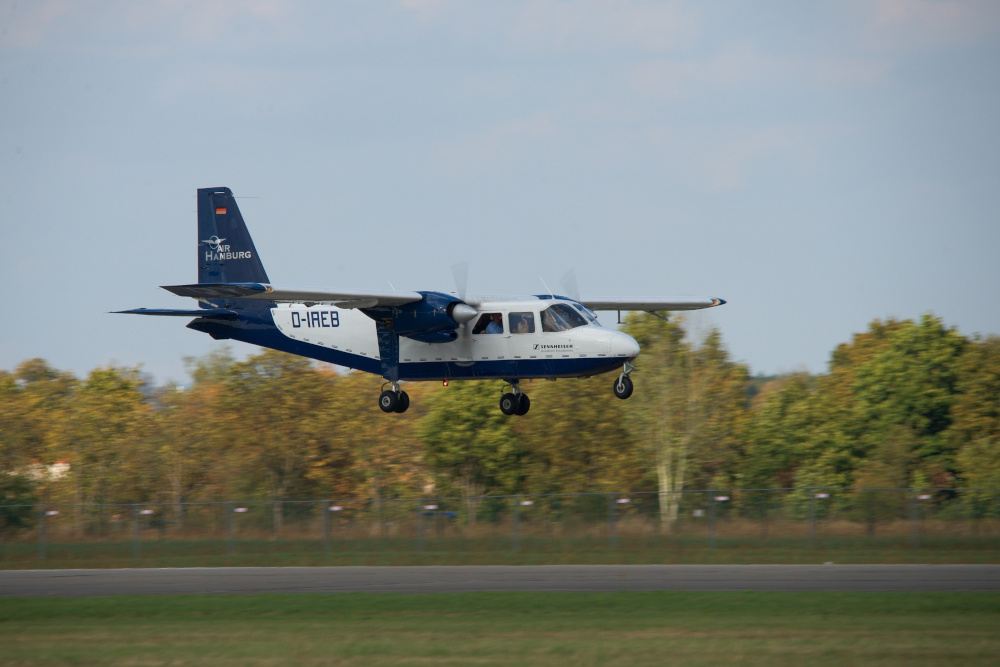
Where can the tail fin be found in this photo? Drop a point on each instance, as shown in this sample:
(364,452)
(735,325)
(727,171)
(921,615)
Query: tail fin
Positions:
(226,253)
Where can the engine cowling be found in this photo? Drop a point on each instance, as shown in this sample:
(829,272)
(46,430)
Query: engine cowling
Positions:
(433,319)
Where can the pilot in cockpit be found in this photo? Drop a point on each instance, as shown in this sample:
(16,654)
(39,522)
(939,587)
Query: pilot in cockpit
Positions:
(496,324)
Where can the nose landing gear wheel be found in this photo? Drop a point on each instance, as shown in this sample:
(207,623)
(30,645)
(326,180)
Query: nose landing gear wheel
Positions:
(623,387)
(403,402)
(525,405)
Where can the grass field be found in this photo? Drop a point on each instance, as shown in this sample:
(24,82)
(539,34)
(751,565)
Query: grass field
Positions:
(498,551)
(505,629)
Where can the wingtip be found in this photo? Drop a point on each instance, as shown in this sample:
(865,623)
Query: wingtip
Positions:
(720,302)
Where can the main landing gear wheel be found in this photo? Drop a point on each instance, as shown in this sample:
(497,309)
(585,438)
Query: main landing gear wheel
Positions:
(394,400)
(623,387)
(388,400)
(515,404)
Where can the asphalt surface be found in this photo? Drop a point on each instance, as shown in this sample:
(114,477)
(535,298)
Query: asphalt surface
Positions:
(560,578)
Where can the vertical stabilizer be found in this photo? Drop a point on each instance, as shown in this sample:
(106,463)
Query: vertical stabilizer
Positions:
(226,253)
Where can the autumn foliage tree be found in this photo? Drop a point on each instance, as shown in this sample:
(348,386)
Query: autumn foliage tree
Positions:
(904,403)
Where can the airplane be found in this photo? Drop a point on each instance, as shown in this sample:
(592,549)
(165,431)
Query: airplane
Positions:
(401,335)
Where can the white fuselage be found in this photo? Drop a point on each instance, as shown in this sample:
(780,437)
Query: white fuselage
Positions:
(565,342)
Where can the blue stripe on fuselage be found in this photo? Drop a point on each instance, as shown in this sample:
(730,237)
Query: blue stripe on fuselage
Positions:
(257,327)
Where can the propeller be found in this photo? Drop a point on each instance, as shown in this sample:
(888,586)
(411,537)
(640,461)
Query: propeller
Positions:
(462,313)
(569,285)
(460,271)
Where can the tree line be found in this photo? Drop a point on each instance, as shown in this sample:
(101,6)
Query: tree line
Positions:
(904,404)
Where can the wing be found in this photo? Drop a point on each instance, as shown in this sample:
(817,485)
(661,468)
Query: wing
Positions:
(342,298)
(651,303)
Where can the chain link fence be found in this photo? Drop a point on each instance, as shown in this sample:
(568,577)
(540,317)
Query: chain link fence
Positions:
(800,517)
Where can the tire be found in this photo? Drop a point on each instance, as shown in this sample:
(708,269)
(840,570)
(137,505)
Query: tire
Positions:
(525,405)
(509,404)
(623,387)
(403,402)
(388,401)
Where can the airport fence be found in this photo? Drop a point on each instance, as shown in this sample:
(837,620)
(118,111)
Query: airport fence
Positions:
(799,517)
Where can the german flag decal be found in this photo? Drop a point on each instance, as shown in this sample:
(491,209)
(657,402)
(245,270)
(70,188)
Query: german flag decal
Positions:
(220,211)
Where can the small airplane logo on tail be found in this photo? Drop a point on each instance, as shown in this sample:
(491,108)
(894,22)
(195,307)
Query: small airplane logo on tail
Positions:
(213,243)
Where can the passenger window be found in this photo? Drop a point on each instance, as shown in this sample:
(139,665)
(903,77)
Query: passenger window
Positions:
(561,317)
(489,323)
(522,323)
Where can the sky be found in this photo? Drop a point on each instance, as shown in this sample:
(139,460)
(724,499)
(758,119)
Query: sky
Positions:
(819,165)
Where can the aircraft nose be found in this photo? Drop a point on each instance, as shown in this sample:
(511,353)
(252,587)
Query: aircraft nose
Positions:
(623,345)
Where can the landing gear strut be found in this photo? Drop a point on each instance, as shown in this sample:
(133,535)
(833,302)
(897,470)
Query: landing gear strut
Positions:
(623,385)
(515,402)
(394,400)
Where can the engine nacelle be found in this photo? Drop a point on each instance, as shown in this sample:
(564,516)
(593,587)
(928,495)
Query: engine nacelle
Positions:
(433,319)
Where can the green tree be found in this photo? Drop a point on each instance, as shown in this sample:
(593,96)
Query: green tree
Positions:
(777,435)
(575,438)
(692,407)
(29,398)
(470,442)
(275,409)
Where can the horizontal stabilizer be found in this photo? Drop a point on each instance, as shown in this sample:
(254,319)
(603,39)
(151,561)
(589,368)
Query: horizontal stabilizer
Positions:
(651,302)
(342,298)
(219,314)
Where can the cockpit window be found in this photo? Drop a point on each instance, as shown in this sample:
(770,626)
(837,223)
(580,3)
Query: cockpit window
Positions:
(489,323)
(560,317)
(586,312)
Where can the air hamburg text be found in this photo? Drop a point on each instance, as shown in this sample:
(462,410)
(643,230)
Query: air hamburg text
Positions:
(224,253)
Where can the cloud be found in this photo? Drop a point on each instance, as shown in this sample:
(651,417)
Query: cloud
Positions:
(743,66)
(917,24)
(590,24)
(426,8)
(495,143)
(26,26)
(64,25)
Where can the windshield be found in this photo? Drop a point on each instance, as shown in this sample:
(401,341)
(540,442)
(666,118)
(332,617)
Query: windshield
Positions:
(561,317)
(586,312)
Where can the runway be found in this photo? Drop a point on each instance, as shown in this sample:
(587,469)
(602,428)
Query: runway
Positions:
(553,578)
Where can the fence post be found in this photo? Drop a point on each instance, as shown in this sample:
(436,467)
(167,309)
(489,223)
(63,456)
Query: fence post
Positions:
(381,518)
(711,519)
(42,547)
(420,525)
(276,509)
(516,523)
(612,533)
(812,518)
(325,508)
(136,547)
(914,520)
(229,527)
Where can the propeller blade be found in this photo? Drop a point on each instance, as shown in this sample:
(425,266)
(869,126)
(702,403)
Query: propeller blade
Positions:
(569,285)
(460,271)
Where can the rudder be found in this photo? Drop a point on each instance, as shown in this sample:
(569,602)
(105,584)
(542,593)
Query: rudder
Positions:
(226,253)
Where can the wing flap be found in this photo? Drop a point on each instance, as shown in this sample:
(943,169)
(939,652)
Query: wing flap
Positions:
(651,303)
(342,298)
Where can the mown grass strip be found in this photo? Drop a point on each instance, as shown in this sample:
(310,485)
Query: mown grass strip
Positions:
(498,551)
(506,628)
